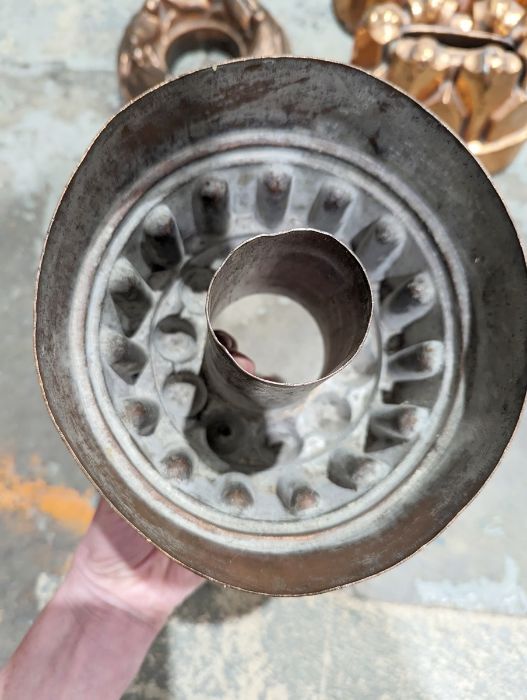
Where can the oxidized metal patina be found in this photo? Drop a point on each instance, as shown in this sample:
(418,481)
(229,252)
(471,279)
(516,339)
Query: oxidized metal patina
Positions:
(350,477)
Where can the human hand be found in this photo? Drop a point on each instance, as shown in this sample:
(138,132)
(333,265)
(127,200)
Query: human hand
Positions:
(91,638)
(115,565)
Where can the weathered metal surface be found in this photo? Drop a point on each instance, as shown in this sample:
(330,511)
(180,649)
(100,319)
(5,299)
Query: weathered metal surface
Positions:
(412,434)
(465,63)
(315,270)
(165,29)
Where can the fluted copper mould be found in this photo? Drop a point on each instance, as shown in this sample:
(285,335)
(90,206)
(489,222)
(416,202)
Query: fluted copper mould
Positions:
(466,62)
(164,29)
(377,452)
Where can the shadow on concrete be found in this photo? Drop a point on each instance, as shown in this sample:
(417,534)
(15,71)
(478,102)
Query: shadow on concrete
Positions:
(213,603)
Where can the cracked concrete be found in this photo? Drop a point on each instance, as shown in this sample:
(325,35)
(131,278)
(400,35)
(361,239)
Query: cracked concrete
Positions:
(448,623)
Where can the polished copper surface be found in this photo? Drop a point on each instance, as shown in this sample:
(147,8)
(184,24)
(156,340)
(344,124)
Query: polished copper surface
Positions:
(163,30)
(464,61)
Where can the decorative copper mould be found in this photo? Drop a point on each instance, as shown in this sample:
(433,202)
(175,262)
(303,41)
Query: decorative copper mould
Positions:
(164,29)
(464,61)
(314,181)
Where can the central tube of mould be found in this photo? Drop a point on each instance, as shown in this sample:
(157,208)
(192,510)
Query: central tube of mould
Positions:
(315,270)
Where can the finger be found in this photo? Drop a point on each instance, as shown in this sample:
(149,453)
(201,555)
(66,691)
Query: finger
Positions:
(244,362)
(274,378)
(226,340)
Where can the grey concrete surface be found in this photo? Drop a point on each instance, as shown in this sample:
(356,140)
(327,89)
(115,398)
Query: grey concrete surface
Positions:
(448,623)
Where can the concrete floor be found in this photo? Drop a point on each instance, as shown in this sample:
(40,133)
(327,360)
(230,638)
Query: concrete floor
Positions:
(448,623)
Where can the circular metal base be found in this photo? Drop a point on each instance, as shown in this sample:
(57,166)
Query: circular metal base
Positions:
(376,460)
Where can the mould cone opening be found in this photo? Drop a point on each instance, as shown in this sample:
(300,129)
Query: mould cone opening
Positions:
(313,269)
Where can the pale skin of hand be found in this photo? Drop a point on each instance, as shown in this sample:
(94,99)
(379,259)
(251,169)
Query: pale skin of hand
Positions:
(91,638)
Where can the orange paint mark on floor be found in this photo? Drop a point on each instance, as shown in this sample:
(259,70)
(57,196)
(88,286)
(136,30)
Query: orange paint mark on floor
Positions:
(35,461)
(64,504)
